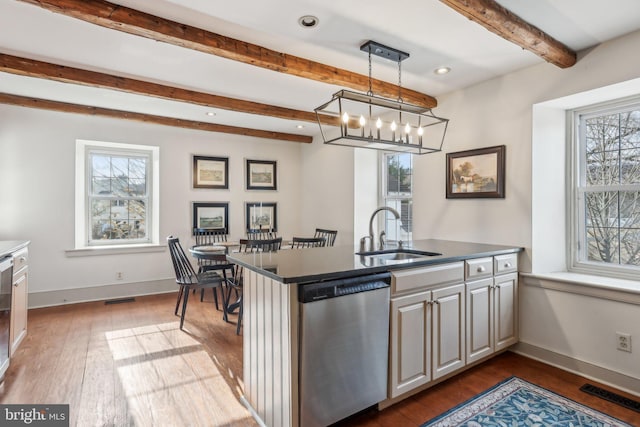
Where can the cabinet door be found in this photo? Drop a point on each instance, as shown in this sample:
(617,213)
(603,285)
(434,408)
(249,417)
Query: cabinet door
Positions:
(479,319)
(448,329)
(506,310)
(410,343)
(19,309)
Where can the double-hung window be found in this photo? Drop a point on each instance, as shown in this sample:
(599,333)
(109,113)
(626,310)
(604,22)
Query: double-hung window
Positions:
(606,201)
(397,173)
(116,194)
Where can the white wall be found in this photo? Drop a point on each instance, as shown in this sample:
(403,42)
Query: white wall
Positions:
(37,171)
(327,182)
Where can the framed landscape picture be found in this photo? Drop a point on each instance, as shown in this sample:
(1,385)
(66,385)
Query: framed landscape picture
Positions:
(476,173)
(211,215)
(261,175)
(210,172)
(261,216)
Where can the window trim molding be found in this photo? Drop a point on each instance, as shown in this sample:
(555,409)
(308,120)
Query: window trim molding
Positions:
(576,162)
(81,199)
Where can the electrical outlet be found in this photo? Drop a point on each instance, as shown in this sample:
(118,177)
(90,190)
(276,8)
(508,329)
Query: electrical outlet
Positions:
(623,341)
(119,275)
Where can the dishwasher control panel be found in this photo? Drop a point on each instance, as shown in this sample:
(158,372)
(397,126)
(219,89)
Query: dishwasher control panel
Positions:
(336,288)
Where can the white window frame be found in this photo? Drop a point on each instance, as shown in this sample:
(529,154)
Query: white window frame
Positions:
(577,258)
(82,214)
(384,197)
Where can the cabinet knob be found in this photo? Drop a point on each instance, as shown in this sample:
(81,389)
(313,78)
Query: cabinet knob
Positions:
(507,265)
(23,259)
(480,269)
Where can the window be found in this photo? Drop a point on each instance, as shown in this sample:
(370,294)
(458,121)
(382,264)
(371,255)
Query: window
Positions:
(116,194)
(607,191)
(397,172)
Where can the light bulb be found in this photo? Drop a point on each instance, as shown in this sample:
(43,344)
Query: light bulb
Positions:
(407,128)
(420,131)
(378,123)
(345,118)
(393,126)
(362,121)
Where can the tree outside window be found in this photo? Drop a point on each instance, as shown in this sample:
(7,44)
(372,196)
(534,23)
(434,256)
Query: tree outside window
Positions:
(609,191)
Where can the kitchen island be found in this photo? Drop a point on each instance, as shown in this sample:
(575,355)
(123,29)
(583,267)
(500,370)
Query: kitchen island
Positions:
(272,314)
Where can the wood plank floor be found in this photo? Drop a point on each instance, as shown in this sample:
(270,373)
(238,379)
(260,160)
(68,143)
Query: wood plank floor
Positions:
(129,365)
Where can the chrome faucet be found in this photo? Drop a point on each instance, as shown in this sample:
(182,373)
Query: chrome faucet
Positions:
(370,236)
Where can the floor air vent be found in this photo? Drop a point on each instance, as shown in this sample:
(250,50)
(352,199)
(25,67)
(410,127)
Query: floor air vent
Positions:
(634,405)
(119,301)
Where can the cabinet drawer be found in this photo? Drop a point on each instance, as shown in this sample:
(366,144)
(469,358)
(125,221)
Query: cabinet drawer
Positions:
(20,260)
(505,263)
(477,268)
(420,278)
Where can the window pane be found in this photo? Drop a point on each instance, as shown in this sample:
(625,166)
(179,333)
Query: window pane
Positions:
(630,166)
(398,229)
(138,168)
(602,133)
(398,174)
(603,168)
(613,227)
(118,219)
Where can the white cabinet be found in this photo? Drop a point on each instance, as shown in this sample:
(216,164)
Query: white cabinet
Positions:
(18,325)
(448,316)
(427,326)
(492,309)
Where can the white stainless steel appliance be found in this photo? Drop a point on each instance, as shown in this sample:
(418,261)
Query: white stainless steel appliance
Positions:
(344,338)
(6,279)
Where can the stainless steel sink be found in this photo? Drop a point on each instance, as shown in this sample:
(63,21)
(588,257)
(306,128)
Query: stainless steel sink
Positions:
(396,256)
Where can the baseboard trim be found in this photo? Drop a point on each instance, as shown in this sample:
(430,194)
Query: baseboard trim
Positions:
(588,370)
(100,293)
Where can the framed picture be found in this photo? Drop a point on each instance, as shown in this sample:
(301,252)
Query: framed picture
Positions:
(262,216)
(210,172)
(261,175)
(211,215)
(476,173)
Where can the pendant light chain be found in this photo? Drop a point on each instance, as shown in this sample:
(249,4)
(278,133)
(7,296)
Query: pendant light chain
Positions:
(400,81)
(370,93)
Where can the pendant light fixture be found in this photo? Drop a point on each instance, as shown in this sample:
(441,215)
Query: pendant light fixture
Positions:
(369,121)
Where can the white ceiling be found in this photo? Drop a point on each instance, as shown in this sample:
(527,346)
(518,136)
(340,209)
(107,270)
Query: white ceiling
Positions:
(434,35)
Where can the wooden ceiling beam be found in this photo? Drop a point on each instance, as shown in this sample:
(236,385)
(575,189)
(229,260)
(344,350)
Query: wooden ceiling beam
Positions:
(132,21)
(46,70)
(512,28)
(65,107)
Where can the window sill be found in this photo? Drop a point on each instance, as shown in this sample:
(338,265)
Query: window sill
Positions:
(115,250)
(584,284)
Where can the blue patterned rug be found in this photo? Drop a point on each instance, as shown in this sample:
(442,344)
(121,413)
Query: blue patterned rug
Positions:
(515,402)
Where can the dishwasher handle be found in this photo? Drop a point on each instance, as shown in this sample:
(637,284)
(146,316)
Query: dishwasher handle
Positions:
(337,288)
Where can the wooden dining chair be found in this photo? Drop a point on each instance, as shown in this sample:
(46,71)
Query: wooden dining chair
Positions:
(307,242)
(187,279)
(235,283)
(216,261)
(330,235)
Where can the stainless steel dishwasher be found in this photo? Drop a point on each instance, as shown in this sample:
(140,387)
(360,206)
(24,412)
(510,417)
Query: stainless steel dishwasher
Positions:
(344,339)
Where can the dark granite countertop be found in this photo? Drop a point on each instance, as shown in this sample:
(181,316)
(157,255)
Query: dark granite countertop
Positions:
(309,265)
(7,247)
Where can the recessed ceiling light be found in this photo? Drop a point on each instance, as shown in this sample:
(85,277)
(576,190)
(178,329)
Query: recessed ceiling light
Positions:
(300,126)
(210,113)
(308,21)
(442,70)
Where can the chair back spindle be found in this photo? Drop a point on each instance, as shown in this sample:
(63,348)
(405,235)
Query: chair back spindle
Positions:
(330,235)
(307,242)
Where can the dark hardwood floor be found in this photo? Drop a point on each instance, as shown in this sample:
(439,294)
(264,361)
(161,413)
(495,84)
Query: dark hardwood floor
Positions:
(129,364)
